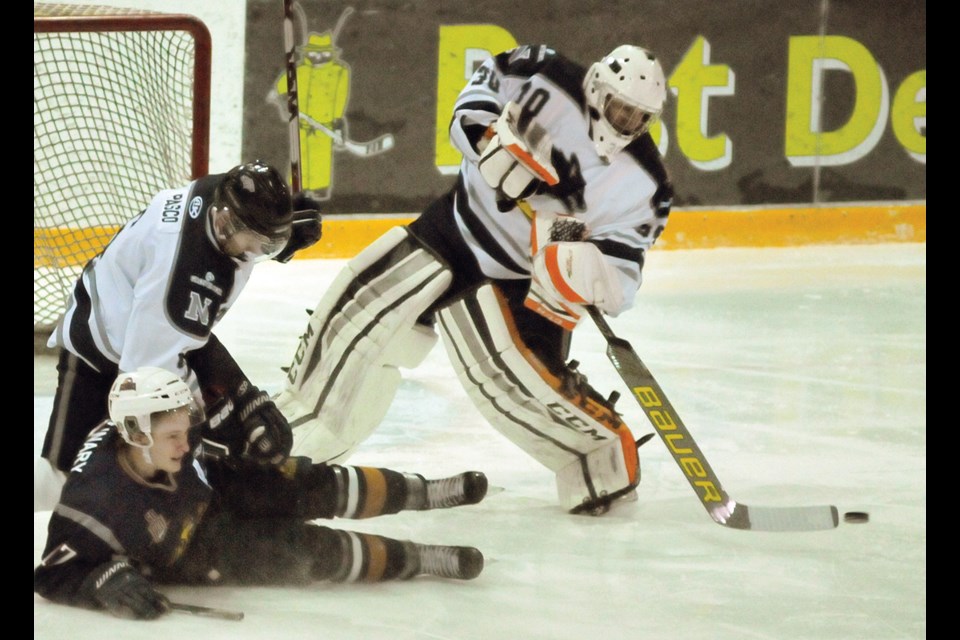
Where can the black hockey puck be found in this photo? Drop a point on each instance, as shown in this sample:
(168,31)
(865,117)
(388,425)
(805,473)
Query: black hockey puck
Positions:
(856,517)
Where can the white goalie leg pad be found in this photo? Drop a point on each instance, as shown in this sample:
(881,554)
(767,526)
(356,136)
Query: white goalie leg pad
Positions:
(584,442)
(605,468)
(345,372)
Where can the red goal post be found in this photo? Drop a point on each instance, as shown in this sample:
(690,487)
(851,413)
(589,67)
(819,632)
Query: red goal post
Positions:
(121,110)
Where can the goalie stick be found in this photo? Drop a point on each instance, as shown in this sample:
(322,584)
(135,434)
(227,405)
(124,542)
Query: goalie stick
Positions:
(668,425)
(373,147)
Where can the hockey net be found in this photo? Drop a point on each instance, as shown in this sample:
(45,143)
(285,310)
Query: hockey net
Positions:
(121,102)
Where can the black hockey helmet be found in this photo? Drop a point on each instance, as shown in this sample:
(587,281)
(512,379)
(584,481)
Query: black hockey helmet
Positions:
(259,196)
(252,198)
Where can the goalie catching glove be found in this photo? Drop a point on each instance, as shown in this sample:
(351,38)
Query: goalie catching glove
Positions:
(306,226)
(514,163)
(566,277)
(249,428)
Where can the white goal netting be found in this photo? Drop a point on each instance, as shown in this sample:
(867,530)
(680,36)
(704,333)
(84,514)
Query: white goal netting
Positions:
(120,111)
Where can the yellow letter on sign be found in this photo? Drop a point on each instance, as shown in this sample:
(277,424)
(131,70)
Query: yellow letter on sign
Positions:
(694,81)
(909,115)
(805,143)
(462,48)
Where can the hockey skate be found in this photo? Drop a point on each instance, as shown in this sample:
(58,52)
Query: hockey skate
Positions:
(458,563)
(469,487)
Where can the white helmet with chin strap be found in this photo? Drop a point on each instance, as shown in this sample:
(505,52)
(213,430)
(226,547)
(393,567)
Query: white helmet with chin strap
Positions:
(137,397)
(625,93)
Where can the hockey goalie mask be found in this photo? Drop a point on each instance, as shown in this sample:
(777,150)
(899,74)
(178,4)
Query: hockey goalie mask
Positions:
(625,93)
(139,399)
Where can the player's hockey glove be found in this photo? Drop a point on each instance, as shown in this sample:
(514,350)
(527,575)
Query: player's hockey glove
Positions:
(123,591)
(307,226)
(515,164)
(249,429)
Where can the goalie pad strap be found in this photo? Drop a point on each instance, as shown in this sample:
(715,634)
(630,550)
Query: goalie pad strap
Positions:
(555,422)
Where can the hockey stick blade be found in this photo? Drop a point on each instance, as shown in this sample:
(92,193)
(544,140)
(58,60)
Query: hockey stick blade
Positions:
(369,148)
(209,612)
(686,453)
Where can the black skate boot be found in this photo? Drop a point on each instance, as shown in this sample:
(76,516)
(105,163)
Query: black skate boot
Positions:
(469,487)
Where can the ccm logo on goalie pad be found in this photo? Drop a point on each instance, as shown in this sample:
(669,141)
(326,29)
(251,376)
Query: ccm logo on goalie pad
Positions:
(298,356)
(569,419)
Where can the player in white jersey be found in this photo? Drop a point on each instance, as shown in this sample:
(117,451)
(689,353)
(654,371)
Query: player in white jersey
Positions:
(560,194)
(154,294)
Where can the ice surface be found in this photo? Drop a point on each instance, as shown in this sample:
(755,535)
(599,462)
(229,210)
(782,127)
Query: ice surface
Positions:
(800,372)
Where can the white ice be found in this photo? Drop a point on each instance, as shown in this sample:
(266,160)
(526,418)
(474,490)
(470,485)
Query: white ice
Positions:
(800,372)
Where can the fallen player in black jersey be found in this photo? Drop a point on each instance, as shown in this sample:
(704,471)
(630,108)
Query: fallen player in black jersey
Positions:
(139,508)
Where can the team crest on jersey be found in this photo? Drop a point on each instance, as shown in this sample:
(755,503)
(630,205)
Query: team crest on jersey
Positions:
(198,309)
(196,205)
(157,525)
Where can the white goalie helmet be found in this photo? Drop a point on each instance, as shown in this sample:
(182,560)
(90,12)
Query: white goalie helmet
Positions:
(137,398)
(625,93)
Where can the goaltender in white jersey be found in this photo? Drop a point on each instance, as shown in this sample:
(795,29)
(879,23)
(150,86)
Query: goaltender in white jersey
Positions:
(560,193)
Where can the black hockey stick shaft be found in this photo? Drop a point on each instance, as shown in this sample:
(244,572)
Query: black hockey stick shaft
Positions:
(293,106)
(688,456)
(209,612)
